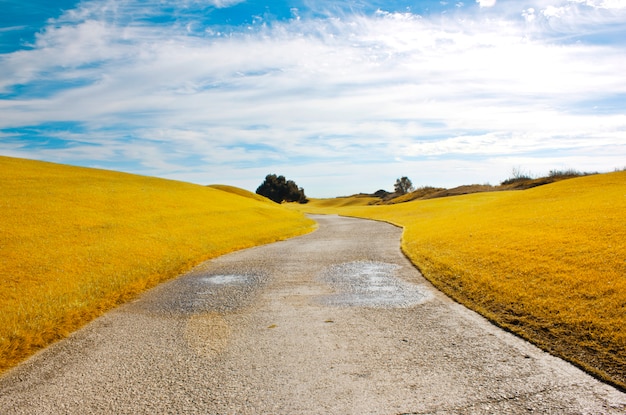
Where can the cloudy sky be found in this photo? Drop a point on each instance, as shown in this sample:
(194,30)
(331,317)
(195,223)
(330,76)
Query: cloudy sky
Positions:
(340,96)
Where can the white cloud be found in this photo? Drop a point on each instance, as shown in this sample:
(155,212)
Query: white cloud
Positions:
(602,4)
(552,11)
(224,3)
(486,3)
(529,14)
(584,17)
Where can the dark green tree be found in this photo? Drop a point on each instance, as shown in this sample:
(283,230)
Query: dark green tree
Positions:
(279,189)
(403,185)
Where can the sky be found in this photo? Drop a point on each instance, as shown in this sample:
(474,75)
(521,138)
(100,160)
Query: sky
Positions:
(342,97)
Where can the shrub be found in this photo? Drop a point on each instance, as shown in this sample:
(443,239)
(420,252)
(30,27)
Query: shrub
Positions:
(279,189)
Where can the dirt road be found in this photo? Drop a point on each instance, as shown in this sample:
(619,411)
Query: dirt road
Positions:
(334,322)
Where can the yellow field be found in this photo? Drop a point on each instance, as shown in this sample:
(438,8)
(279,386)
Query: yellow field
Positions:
(548,263)
(76,242)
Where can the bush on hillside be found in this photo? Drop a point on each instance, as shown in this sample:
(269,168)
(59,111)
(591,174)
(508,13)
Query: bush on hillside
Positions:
(279,189)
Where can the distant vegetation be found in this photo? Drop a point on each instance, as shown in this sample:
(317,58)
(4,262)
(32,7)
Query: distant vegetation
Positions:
(547,263)
(519,180)
(76,242)
(279,189)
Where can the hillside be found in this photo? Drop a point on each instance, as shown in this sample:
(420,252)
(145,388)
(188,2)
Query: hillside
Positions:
(547,263)
(76,242)
(382,197)
(240,192)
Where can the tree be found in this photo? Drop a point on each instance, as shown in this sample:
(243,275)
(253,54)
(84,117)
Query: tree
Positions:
(279,189)
(403,185)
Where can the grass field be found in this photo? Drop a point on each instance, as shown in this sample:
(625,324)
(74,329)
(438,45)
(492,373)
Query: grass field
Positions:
(547,263)
(75,242)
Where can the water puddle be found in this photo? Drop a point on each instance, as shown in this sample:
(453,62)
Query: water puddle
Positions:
(226,279)
(371,284)
(202,291)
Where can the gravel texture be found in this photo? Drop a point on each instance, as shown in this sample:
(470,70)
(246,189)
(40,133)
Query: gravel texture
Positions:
(334,322)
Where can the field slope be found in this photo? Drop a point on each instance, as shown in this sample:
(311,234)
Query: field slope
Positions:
(547,263)
(75,242)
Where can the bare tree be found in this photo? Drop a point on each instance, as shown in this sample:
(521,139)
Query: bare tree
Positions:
(403,185)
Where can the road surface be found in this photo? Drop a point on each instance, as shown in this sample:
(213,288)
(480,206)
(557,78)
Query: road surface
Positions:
(334,322)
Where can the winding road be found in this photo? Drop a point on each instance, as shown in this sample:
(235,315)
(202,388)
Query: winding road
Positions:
(334,322)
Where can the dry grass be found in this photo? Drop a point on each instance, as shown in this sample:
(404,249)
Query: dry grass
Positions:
(239,192)
(355,200)
(76,242)
(521,182)
(548,263)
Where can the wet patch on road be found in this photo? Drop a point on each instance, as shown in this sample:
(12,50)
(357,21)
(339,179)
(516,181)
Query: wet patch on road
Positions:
(371,284)
(226,279)
(203,291)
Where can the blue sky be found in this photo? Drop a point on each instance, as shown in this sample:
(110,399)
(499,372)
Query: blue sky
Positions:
(341,97)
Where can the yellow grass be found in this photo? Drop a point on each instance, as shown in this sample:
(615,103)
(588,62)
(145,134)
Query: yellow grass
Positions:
(76,242)
(357,200)
(239,192)
(548,263)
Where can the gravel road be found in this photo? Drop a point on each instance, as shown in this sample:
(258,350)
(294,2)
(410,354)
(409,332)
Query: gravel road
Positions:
(334,322)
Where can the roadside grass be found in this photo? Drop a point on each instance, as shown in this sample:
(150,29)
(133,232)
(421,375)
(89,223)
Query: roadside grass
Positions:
(547,263)
(76,242)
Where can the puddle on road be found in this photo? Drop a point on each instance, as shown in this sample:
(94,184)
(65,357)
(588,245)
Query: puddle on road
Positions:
(204,292)
(226,279)
(371,284)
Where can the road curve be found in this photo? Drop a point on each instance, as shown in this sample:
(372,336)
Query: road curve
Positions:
(334,322)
